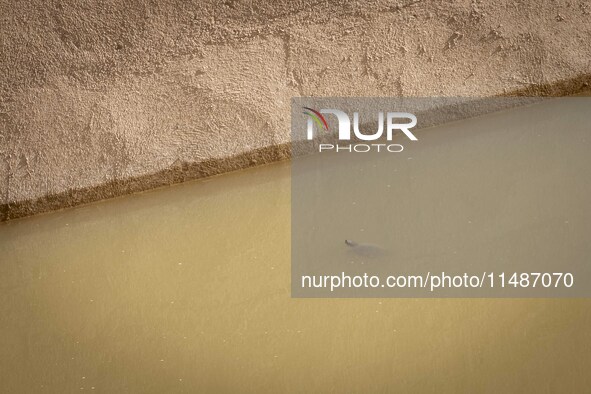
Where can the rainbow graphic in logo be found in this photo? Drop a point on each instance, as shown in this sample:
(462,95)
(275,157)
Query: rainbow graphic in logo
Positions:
(316,117)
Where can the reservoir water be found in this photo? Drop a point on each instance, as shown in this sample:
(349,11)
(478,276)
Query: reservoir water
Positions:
(187,289)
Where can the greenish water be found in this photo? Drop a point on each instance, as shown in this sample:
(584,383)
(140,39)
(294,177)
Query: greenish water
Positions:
(187,289)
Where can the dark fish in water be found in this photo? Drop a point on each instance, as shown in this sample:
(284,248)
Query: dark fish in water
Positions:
(366,250)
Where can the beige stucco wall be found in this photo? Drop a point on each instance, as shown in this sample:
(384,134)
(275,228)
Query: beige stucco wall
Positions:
(100,99)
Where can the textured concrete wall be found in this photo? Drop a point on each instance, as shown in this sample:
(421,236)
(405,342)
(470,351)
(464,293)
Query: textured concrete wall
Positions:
(102,98)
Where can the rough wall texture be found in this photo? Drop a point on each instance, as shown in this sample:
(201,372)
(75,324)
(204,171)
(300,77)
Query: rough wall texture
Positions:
(102,98)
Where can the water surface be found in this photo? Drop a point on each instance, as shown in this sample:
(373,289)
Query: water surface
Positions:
(187,289)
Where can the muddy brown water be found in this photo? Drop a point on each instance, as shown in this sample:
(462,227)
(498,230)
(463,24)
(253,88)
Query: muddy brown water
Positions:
(187,289)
